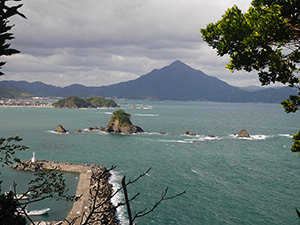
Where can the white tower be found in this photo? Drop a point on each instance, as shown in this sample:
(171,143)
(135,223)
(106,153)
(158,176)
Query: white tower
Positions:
(33,157)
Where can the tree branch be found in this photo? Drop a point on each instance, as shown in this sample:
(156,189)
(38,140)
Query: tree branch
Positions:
(163,198)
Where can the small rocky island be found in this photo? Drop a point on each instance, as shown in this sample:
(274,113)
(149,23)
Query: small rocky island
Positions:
(91,102)
(120,123)
(60,129)
(243,134)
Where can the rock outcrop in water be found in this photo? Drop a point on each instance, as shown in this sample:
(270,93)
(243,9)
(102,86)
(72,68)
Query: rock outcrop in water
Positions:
(187,132)
(28,165)
(243,134)
(60,129)
(120,123)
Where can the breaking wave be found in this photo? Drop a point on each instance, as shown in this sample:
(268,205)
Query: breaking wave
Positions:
(252,137)
(286,135)
(140,114)
(55,132)
(115,180)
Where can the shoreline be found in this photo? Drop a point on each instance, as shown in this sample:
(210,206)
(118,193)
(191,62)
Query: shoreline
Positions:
(33,106)
(89,176)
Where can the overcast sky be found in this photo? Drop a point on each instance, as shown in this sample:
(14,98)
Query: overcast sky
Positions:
(101,42)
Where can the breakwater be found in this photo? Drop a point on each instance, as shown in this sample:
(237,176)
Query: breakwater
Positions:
(93,187)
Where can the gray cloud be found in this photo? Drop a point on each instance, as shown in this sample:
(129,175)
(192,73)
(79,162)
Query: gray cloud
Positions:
(100,42)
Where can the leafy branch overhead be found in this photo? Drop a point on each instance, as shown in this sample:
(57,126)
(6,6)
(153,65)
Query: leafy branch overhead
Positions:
(8,148)
(47,184)
(266,38)
(5,13)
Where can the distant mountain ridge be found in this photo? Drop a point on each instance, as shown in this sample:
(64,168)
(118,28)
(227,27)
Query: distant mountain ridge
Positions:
(176,81)
(12,93)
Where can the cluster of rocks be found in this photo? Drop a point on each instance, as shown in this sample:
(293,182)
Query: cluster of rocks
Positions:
(187,132)
(28,165)
(96,128)
(243,134)
(101,191)
(114,127)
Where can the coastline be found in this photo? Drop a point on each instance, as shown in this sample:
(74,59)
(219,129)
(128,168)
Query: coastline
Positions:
(33,106)
(91,177)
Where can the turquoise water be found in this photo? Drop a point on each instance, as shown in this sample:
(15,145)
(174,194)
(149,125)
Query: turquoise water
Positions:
(227,180)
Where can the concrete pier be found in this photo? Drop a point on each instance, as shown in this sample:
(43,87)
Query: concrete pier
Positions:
(83,188)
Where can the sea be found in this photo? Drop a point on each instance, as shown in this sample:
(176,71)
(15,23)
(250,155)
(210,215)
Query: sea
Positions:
(227,180)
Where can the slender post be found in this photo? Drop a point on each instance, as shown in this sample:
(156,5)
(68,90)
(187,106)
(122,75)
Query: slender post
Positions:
(127,201)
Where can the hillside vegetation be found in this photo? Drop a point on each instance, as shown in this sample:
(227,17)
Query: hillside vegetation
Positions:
(91,102)
(122,117)
(13,93)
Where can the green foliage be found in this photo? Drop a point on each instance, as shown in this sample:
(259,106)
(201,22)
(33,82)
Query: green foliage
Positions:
(122,116)
(292,104)
(5,13)
(91,102)
(13,93)
(101,102)
(71,102)
(296,145)
(8,148)
(49,184)
(8,210)
(265,39)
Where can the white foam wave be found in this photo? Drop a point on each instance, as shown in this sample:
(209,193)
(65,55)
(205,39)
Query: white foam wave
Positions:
(115,180)
(204,138)
(146,107)
(178,141)
(108,113)
(95,131)
(261,137)
(185,141)
(252,137)
(195,171)
(195,139)
(140,114)
(85,108)
(154,133)
(104,108)
(286,135)
(55,132)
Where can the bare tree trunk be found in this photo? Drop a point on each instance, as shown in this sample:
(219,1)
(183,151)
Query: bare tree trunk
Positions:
(127,200)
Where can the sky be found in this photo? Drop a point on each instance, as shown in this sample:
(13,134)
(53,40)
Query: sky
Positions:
(103,42)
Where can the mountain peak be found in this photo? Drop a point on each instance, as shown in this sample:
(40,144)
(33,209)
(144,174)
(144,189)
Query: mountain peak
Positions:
(177,81)
(177,63)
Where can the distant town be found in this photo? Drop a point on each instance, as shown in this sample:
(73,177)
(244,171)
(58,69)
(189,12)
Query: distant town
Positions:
(30,102)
